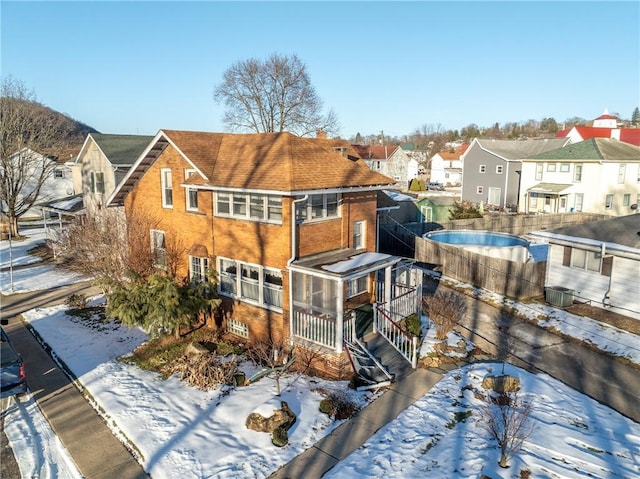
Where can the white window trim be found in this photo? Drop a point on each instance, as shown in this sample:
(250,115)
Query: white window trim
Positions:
(266,208)
(363,235)
(608,204)
(238,283)
(479,190)
(308,209)
(482,169)
(188,190)
(353,286)
(539,171)
(499,169)
(154,248)
(577,173)
(593,255)
(204,267)
(94,182)
(164,186)
(622,172)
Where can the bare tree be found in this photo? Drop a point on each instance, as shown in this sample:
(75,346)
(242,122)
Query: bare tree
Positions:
(445,309)
(275,355)
(108,247)
(274,95)
(28,133)
(507,418)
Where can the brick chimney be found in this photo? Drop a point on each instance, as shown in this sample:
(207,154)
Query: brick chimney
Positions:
(321,134)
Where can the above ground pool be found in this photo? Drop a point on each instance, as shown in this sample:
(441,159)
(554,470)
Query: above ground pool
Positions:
(489,243)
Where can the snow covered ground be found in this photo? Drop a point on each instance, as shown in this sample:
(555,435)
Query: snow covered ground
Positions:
(193,433)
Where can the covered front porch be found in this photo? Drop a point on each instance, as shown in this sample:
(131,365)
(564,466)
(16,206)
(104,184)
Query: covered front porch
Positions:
(547,198)
(339,297)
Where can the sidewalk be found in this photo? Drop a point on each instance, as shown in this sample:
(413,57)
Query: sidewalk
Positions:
(317,460)
(98,454)
(95,450)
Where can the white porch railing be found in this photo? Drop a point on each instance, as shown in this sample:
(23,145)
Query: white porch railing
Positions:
(322,329)
(406,344)
(317,329)
(403,305)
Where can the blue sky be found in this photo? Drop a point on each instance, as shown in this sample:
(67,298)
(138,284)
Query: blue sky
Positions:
(137,67)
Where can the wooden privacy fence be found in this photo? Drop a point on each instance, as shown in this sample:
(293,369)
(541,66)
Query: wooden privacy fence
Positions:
(508,278)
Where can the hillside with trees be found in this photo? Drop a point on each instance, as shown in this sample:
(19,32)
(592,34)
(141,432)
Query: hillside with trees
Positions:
(433,138)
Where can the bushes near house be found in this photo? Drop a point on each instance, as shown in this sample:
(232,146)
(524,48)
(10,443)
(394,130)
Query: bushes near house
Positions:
(445,310)
(160,304)
(413,325)
(338,406)
(417,185)
(464,210)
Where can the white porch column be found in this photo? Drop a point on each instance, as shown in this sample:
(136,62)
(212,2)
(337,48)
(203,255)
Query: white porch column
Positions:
(339,315)
(387,286)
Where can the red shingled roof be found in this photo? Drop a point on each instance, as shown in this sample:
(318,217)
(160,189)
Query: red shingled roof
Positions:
(374,152)
(630,135)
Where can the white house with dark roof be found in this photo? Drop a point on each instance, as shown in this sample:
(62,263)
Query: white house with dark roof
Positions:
(599,262)
(102,163)
(599,175)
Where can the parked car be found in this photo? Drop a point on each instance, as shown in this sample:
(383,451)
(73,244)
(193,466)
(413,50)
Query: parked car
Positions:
(12,374)
(435,186)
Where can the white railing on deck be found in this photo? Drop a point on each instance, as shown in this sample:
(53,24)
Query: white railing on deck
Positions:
(403,305)
(349,327)
(314,328)
(396,290)
(406,344)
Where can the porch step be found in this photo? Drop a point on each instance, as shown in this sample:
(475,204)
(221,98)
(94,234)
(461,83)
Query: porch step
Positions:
(365,365)
(387,355)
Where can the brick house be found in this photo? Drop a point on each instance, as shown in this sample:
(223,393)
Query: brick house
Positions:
(289,224)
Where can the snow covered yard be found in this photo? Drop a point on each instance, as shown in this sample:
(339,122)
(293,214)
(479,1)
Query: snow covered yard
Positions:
(35,277)
(574,436)
(180,430)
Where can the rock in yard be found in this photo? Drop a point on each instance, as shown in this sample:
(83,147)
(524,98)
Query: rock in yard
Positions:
(501,384)
(283,417)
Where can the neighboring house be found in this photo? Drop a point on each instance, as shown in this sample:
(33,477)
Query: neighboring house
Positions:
(491,172)
(288,223)
(405,210)
(391,161)
(417,153)
(102,163)
(599,261)
(605,126)
(57,185)
(446,168)
(434,209)
(600,175)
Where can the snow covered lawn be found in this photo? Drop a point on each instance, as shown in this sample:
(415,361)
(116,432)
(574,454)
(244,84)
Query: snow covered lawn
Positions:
(574,436)
(181,431)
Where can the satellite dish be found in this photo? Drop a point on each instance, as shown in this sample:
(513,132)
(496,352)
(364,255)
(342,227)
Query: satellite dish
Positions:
(634,206)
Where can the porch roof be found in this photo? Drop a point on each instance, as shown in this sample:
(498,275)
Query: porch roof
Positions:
(344,263)
(553,188)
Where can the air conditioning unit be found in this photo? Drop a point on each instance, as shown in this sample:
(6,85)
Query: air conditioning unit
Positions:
(559,296)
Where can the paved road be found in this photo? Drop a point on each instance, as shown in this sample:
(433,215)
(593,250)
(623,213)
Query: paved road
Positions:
(98,454)
(607,380)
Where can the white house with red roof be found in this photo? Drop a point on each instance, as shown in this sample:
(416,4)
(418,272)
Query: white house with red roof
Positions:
(605,126)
